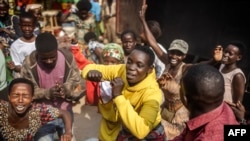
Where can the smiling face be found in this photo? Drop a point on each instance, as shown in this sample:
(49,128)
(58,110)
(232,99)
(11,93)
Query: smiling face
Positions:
(20,97)
(231,55)
(137,67)
(27,26)
(175,57)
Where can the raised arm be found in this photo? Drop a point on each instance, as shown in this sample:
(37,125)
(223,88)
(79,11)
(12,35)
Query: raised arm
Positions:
(217,56)
(150,38)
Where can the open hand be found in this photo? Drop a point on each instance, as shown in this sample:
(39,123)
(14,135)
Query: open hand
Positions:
(218,52)
(143,10)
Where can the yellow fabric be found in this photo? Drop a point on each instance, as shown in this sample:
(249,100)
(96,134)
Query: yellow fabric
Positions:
(138,108)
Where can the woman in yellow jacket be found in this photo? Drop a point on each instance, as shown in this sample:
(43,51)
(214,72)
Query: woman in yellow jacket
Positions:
(134,111)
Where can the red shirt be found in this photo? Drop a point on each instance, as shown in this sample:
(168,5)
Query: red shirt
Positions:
(208,126)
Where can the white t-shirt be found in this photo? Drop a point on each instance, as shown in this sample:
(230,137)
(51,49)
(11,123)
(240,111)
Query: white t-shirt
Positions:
(20,49)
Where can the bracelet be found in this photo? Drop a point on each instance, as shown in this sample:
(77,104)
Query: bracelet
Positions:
(243,122)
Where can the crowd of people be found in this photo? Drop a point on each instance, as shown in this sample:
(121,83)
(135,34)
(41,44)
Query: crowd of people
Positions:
(143,91)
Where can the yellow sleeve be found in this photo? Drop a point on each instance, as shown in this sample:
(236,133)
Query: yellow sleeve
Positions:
(109,72)
(140,124)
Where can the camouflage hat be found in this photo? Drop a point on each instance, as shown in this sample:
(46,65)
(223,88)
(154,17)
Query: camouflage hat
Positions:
(180,45)
(113,50)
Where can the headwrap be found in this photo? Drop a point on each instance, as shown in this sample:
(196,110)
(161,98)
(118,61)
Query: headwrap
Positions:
(113,50)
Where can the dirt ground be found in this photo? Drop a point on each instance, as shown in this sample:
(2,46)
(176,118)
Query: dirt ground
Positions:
(86,122)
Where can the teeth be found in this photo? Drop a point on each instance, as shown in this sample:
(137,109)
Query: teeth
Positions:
(20,108)
(173,61)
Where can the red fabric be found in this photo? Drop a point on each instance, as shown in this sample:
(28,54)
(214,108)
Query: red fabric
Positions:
(92,93)
(92,88)
(80,59)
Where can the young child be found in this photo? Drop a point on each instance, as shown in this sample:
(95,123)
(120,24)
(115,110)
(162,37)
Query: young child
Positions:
(112,55)
(128,39)
(24,45)
(94,49)
(233,76)
(36,10)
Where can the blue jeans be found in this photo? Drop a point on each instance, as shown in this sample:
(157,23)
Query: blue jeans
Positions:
(47,131)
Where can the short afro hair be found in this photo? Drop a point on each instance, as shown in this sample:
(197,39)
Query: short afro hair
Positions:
(89,36)
(128,31)
(155,28)
(146,49)
(83,5)
(46,42)
(239,44)
(28,15)
(21,80)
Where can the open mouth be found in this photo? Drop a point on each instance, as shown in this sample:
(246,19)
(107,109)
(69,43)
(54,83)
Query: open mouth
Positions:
(130,76)
(173,61)
(20,108)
